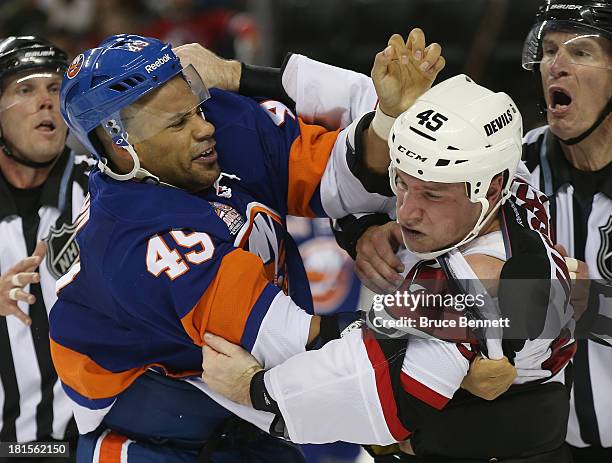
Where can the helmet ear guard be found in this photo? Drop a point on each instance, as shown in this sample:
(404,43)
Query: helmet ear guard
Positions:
(459,132)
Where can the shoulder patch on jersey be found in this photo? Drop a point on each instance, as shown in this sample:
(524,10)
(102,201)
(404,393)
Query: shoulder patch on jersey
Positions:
(63,249)
(230,216)
(604,255)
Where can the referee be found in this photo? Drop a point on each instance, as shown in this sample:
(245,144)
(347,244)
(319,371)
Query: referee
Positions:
(41,192)
(570,53)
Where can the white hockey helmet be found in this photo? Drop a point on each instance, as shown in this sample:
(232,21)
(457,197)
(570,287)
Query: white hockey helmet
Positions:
(459,131)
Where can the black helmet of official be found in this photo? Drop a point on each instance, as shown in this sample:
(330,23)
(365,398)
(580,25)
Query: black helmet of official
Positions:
(587,16)
(22,53)
(579,16)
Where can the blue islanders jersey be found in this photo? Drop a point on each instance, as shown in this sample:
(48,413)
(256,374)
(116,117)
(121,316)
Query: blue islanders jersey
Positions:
(159,267)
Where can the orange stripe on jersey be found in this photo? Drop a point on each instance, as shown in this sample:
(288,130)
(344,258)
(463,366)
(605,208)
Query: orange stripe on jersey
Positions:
(307,161)
(110,448)
(225,306)
(88,378)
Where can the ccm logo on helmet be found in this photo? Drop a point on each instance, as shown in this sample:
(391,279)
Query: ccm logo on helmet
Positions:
(498,123)
(157,63)
(411,154)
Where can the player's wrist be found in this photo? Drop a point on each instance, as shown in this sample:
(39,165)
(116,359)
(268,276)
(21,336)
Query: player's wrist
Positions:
(259,396)
(233,74)
(382,122)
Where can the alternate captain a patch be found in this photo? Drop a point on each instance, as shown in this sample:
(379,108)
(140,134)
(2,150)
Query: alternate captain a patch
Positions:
(62,250)
(604,255)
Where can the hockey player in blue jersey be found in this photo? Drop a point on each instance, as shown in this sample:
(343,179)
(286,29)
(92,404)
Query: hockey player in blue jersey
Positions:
(184,233)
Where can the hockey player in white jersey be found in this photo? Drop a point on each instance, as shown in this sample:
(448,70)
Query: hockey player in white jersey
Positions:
(464,217)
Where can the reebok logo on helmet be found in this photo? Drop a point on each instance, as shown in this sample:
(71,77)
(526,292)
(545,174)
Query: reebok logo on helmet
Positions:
(157,63)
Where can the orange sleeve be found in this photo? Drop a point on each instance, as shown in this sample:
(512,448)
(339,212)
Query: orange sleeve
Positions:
(307,161)
(226,304)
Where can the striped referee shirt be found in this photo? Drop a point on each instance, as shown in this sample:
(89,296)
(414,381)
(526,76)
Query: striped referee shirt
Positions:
(581,211)
(32,402)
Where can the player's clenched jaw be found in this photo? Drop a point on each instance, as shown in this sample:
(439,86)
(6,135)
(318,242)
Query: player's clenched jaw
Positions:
(433,215)
(171,137)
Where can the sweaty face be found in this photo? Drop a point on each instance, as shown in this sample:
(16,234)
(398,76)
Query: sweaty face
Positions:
(171,137)
(29,115)
(576,79)
(433,215)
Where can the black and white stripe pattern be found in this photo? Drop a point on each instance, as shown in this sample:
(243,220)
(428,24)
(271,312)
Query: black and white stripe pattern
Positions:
(33,405)
(581,208)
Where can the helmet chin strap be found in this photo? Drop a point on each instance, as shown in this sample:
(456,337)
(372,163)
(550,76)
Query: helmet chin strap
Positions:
(23,161)
(602,117)
(137,172)
(482,220)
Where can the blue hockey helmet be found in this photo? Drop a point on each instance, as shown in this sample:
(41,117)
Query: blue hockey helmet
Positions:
(103,81)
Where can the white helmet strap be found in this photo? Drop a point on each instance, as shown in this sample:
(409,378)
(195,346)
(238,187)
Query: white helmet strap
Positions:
(137,172)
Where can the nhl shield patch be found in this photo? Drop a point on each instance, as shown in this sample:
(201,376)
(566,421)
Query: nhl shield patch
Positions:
(62,249)
(604,256)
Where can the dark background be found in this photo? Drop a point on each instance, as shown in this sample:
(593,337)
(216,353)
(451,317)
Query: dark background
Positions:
(482,38)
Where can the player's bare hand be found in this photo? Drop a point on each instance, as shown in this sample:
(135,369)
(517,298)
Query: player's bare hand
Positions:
(405,70)
(377,264)
(581,283)
(489,379)
(15,279)
(228,368)
(214,70)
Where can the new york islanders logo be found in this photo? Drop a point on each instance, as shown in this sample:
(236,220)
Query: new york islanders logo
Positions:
(75,66)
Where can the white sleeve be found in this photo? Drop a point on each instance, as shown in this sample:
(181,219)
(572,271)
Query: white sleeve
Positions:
(283,332)
(325,94)
(335,393)
(341,192)
(336,98)
(433,370)
(330,394)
